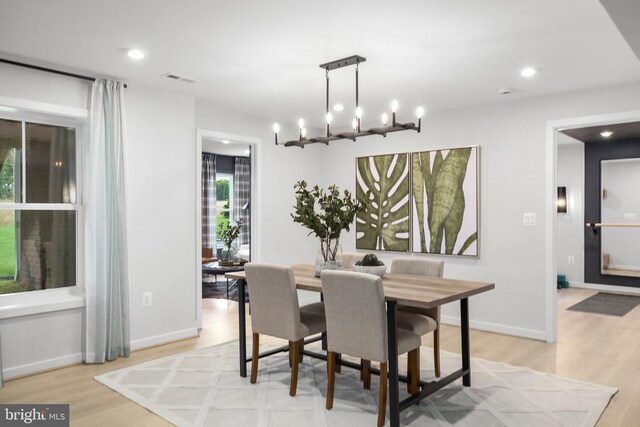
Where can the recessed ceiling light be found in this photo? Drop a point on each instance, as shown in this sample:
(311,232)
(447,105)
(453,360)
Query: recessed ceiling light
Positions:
(528,72)
(247,151)
(225,141)
(338,107)
(135,54)
(606,133)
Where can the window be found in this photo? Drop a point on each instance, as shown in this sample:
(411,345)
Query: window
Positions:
(38,206)
(224,204)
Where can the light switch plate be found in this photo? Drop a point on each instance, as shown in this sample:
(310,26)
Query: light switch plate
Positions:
(529,219)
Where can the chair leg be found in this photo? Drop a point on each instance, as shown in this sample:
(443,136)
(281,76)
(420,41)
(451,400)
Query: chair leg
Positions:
(382,403)
(331,378)
(294,368)
(301,348)
(338,365)
(366,373)
(413,369)
(290,353)
(436,351)
(255,354)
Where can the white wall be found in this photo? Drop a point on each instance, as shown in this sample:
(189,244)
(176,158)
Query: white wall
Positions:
(622,205)
(160,157)
(512,180)
(570,237)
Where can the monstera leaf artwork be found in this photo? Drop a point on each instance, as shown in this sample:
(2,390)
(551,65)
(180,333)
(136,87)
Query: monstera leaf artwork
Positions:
(445,201)
(382,186)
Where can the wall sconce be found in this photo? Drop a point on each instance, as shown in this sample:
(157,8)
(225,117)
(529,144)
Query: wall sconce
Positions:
(562,199)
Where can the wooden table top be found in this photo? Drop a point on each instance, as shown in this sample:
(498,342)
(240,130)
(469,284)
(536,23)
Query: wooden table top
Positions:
(405,289)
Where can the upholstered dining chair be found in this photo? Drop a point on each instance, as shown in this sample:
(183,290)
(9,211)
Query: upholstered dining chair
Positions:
(275,311)
(357,326)
(422,267)
(348,259)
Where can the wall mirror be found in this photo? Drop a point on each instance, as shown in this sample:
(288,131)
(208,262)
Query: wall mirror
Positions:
(620,217)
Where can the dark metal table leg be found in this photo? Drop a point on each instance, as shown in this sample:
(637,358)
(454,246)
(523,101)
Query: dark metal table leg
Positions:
(242,329)
(464,332)
(394,391)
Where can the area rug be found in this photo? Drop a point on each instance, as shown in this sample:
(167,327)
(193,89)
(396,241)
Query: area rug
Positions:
(606,303)
(219,290)
(203,388)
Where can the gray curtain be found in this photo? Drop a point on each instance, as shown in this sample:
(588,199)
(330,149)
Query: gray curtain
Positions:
(209,201)
(242,196)
(106,259)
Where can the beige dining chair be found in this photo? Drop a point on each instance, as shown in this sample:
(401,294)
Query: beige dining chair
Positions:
(348,259)
(275,311)
(422,267)
(357,326)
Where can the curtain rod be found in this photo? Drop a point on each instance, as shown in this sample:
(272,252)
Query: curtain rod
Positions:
(49,70)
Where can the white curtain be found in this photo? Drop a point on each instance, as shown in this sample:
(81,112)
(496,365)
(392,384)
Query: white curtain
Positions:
(106,275)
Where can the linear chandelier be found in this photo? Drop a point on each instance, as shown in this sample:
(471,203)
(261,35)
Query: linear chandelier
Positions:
(356,130)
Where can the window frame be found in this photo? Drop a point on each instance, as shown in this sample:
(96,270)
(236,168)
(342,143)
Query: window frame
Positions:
(54,296)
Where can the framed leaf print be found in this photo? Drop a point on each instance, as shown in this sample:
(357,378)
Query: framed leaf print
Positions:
(382,185)
(444,201)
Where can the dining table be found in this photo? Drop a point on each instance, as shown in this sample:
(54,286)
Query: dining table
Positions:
(400,290)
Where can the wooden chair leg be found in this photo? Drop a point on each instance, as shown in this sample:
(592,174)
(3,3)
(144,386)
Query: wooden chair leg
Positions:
(255,353)
(331,378)
(382,403)
(290,353)
(366,373)
(338,365)
(436,351)
(294,368)
(301,347)
(413,369)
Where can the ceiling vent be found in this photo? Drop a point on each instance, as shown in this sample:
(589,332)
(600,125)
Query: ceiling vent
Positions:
(178,77)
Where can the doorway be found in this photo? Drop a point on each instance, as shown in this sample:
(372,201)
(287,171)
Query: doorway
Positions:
(226,167)
(551,217)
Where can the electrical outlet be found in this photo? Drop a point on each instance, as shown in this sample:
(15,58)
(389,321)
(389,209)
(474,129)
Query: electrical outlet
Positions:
(572,259)
(146,299)
(529,219)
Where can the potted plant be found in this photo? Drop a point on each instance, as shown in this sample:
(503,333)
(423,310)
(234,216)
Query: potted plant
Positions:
(229,235)
(326,213)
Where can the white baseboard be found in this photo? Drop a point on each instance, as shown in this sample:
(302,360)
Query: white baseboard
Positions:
(164,338)
(606,288)
(500,329)
(41,366)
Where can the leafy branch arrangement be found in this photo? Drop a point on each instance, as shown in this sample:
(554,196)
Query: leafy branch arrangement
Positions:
(231,233)
(325,213)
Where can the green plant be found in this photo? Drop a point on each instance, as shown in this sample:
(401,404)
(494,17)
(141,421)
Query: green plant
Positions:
(231,233)
(326,213)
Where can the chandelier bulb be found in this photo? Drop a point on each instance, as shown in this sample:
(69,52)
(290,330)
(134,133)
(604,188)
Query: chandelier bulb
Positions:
(329,118)
(354,124)
(301,123)
(303,132)
(385,119)
(419,112)
(276,127)
(359,112)
(394,106)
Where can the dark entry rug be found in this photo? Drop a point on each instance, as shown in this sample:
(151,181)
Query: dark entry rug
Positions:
(219,290)
(609,304)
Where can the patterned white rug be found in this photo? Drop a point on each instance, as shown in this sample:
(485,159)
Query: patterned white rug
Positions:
(203,388)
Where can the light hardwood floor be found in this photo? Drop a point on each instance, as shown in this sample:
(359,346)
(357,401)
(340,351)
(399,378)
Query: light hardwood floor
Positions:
(596,348)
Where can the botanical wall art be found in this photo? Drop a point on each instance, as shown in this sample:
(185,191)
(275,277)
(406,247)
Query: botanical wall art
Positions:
(445,201)
(382,186)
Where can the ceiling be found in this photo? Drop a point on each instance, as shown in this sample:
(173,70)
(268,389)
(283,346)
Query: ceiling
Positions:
(261,57)
(621,131)
(231,148)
